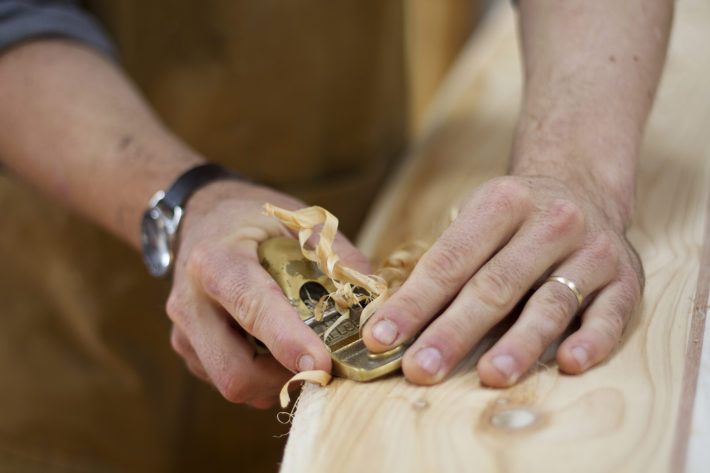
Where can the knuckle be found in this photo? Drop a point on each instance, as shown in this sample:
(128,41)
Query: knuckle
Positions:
(197,260)
(213,283)
(249,305)
(206,266)
(565,217)
(233,388)
(495,289)
(506,194)
(556,316)
(613,325)
(602,248)
(508,189)
(445,265)
(175,309)
(411,304)
(177,342)
(282,342)
(247,310)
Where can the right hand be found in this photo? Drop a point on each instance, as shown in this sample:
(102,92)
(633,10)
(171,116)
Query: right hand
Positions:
(220,291)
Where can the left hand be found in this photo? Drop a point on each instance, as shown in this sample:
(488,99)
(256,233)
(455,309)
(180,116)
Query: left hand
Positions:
(221,293)
(510,235)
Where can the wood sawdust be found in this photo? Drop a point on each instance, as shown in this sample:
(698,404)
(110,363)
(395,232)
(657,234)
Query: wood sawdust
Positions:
(391,275)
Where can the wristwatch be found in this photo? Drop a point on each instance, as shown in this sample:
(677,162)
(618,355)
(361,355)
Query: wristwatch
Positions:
(161,219)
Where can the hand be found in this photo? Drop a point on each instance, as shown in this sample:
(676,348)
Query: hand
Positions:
(220,291)
(510,235)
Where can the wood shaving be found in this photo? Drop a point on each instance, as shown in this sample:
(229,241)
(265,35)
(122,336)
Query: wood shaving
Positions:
(315,376)
(392,274)
(344,278)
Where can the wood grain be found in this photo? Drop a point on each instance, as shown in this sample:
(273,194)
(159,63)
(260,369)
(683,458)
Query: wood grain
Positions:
(628,414)
(694,353)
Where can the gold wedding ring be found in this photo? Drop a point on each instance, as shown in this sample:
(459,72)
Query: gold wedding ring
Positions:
(572,286)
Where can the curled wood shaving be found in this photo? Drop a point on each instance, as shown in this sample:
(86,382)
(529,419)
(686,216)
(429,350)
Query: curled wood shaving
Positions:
(315,376)
(344,278)
(391,275)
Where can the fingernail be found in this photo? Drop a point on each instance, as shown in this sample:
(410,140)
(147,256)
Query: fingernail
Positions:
(306,363)
(429,359)
(384,332)
(581,355)
(506,365)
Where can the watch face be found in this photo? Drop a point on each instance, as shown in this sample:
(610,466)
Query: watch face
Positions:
(155,240)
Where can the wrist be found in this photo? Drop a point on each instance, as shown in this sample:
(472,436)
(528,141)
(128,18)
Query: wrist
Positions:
(163,218)
(606,180)
(585,140)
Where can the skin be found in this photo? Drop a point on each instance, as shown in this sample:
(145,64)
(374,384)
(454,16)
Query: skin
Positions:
(591,70)
(73,126)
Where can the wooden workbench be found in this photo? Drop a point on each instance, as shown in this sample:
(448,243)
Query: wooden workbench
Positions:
(633,412)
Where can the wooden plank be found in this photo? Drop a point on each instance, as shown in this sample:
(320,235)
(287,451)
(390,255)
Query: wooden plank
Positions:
(693,425)
(629,414)
(699,437)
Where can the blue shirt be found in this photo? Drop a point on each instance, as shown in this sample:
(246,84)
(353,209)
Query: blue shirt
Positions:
(22,20)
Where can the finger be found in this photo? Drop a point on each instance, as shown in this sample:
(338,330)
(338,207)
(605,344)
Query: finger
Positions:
(182,347)
(228,359)
(602,327)
(484,224)
(546,316)
(491,294)
(239,284)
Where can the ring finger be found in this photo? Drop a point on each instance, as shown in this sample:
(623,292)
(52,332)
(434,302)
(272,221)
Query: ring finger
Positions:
(545,317)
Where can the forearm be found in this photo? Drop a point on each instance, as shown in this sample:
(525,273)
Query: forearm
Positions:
(73,126)
(591,71)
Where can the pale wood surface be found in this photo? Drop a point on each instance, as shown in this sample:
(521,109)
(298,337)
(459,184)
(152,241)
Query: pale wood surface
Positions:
(698,451)
(629,414)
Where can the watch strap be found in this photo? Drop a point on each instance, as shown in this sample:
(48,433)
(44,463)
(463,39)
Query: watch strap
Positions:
(193,179)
